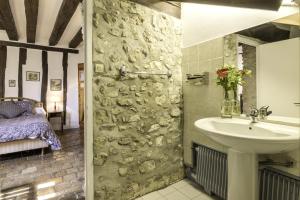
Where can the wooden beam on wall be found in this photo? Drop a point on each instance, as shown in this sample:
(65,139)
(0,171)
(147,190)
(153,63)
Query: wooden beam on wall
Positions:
(65,83)
(35,46)
(162,6)
(3,58)
(77,39)
(64,16)
(256,4)
(7,20)
(22,61)
(44,87)
(31,11)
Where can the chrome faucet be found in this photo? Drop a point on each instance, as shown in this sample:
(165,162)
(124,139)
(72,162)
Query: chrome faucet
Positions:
(253,115)
(263,112)
(256,114)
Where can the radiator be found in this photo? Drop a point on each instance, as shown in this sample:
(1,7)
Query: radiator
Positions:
(211,171)
(277,185)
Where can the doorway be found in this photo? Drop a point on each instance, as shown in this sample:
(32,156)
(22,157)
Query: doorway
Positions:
(81,94)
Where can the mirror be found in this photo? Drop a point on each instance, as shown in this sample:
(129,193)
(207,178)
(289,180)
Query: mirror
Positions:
(272,52)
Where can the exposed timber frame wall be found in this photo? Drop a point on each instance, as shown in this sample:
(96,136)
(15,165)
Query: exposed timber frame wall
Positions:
(35,89)
(22,61)
(3,58)
(35,46)
(44,87)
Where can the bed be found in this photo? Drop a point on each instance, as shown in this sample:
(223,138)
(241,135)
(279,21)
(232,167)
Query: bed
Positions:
(24,126)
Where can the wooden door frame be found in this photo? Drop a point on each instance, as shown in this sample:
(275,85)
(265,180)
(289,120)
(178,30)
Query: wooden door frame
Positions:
(80,68)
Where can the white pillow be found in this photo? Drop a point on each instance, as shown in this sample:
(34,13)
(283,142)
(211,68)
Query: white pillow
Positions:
(40,110)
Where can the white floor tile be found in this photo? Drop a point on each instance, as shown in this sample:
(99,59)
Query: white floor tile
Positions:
(152,196)
(190,191)
(203,197)
(176,196)
(182,183)
(182,190)
(166,191)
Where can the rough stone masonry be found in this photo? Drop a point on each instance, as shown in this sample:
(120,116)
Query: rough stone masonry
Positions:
(137,119)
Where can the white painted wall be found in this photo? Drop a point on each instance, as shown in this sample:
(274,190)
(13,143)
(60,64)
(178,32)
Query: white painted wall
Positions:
(278,77)
(11,72)
(33,89)
(206,22)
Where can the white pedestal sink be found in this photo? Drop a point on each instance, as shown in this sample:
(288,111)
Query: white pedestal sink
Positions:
(245,141)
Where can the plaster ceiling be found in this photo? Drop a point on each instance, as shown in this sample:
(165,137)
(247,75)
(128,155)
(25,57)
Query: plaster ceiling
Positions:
(47,13)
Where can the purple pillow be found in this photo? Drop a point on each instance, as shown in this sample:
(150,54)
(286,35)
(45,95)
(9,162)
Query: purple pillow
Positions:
(9,109)
(27,106)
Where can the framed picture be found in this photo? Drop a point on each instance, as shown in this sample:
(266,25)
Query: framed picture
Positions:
(12,83)
(32,76)
(55,84)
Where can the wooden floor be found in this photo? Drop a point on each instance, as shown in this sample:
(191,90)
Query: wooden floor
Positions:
(58,174)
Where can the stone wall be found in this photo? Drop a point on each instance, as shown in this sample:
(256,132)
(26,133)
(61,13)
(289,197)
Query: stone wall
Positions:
(249,89)
(230,50)
(137,119)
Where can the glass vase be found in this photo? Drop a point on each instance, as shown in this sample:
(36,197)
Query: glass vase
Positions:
(236,105)
(226,108)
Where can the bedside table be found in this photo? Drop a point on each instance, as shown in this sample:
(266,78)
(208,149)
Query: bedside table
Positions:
(56,114)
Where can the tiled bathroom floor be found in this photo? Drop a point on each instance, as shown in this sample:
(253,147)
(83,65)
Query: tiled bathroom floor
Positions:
(182,190)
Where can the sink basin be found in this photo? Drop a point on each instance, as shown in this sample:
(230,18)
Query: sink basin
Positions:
(244,141)
(240,134)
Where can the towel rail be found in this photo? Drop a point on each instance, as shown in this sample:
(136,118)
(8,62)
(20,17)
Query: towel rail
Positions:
(203,78)
(124,72)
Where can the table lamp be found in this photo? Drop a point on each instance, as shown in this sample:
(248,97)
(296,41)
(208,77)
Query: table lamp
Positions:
(55,99)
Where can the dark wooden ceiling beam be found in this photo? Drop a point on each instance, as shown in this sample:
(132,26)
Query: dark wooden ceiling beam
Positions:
(39,47)
(173,9)
(256,4)
(66,11)
(77,39)
(7,20)
(31,11)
